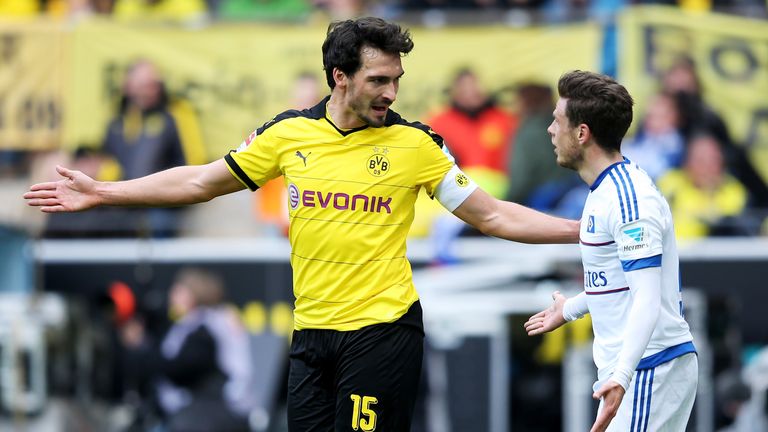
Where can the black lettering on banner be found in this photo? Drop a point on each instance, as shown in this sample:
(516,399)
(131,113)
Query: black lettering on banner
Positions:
(663,44)
(53,115)
(722,57)
(26,115)
(758,128)
(38,113)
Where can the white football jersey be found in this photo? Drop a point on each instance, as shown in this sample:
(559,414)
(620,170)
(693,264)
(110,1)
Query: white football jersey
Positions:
(627,225)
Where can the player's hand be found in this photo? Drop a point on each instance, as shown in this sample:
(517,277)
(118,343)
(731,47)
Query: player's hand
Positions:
(548,319)
(75,192)
(612,393)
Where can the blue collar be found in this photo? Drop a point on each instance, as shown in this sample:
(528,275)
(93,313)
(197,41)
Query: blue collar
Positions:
(605,173)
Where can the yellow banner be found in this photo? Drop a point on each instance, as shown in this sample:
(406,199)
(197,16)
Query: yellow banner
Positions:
(731,59)
(238,77)
(33,66)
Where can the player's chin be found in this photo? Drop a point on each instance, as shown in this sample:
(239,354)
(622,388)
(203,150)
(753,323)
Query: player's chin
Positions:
(376,120)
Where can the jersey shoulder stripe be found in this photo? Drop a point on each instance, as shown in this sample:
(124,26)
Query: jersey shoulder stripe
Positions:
(632,188)
(315,113)
(618,193)
(626,194)
(394,118)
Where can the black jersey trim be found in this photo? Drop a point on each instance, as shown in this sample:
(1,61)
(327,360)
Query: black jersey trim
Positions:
(239,172)
(394,118)
(316,113)
(345,132)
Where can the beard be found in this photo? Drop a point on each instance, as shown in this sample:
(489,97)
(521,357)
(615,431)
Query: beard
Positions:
(569,156)
(361,110)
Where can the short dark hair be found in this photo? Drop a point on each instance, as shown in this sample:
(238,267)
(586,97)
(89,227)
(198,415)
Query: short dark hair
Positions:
(599,102)
(345,40)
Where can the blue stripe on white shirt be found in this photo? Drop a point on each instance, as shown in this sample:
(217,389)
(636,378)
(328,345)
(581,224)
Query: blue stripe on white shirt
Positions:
(634,195)
(638,264)
(621,202)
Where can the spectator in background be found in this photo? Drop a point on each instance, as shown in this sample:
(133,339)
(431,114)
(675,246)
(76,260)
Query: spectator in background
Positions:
(682,81)
(658,145)
(200,371)
(477,132)
(148,135)
(703,197)
(535,177)
(531,158)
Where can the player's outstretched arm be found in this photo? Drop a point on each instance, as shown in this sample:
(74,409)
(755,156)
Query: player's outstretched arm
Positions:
(515,222)
(549,319)
(173,187)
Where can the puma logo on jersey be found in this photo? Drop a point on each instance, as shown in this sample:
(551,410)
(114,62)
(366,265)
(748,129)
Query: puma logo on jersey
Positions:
(304,158)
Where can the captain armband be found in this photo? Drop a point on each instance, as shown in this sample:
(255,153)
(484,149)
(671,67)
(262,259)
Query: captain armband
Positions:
(454,188)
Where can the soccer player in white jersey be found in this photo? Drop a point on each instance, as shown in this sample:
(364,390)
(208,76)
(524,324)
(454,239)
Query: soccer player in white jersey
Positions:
(643,348)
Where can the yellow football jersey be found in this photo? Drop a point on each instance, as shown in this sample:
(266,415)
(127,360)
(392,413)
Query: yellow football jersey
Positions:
(351,200)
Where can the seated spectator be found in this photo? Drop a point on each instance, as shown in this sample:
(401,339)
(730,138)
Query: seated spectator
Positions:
(200,371)
(703,197)
(658,145)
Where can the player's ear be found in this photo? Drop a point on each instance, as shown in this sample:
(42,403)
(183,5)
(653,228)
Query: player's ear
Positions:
(340,78)
(584,133)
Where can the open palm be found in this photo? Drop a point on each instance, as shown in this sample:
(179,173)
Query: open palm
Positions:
(75,192)
(549,319)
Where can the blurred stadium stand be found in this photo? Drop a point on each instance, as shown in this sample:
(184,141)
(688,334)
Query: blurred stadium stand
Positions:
(56,369)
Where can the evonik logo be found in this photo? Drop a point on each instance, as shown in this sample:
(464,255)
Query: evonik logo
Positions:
(338,200)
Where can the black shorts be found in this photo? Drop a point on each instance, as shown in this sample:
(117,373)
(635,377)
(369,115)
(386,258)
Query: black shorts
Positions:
(361,380)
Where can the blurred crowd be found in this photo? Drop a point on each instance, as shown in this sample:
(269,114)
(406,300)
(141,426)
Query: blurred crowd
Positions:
(431,12)
(499,137)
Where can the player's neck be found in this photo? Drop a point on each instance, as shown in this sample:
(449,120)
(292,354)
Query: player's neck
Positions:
(340,114)
(594,164)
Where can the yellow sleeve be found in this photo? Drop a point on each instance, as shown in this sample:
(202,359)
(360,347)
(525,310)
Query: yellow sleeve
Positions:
(255,162)
(434,164)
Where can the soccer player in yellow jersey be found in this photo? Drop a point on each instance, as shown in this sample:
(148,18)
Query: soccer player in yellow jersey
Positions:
(353,169)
